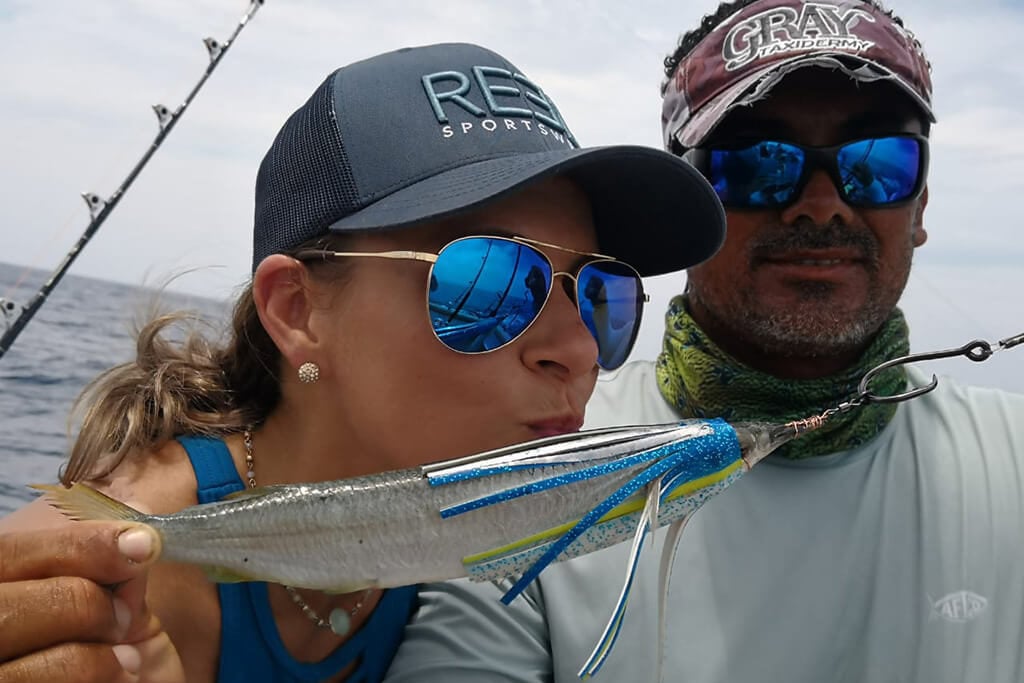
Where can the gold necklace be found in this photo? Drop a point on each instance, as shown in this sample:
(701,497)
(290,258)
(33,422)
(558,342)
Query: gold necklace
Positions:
(339,620)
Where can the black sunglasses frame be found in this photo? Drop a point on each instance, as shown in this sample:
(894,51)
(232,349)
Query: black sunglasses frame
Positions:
(826,158)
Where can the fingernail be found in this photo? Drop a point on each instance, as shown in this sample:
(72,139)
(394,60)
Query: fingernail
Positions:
(122,615)
(129,658)
(136,544)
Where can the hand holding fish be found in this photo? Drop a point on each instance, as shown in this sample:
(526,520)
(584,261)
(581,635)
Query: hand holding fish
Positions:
(97,625)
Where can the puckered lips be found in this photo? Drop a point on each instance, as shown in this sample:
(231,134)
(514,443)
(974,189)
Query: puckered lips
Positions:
(558,425)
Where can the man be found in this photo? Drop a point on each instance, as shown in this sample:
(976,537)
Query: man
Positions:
(887,548)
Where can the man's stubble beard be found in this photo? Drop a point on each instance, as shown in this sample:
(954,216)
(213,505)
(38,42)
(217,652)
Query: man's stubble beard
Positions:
(818,326)
(815,328)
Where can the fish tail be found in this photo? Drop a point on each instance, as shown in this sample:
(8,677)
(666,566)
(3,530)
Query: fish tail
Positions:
(83,503)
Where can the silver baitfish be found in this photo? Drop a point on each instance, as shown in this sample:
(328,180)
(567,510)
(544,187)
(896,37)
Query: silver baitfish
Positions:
(499,515)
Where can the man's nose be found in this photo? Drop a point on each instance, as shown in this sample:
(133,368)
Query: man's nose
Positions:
(819,201)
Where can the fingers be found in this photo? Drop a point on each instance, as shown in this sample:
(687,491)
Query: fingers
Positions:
(106,553)
(132,610)
(160,662)
(52,588)
(35,615)
(75,663)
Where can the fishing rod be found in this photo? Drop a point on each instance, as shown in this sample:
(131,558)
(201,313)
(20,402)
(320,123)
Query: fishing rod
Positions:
(100,208)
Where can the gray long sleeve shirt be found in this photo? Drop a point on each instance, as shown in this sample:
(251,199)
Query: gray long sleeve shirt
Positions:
(902,560)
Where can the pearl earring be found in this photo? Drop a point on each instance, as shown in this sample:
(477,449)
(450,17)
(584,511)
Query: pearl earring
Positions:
(309,372)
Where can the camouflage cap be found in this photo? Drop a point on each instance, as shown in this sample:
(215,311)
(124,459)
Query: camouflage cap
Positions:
(748,53)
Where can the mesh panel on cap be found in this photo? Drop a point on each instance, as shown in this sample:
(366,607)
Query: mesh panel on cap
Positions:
(304,183)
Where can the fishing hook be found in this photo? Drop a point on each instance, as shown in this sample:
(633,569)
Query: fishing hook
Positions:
(977,351)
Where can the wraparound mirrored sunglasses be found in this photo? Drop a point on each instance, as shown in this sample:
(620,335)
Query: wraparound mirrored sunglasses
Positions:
(484,292)
(873,172)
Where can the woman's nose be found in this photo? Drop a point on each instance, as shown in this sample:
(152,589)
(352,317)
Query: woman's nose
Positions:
(558,341)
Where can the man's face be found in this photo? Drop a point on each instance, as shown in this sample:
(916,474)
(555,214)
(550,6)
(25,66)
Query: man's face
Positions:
(817,278)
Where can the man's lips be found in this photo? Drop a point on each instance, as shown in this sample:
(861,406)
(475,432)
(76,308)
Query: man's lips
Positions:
(814,257)
(814,263)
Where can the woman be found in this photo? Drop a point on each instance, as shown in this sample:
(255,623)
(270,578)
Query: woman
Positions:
(335,368)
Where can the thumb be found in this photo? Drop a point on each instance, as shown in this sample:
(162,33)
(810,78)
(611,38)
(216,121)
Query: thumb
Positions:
(146,649)
(141,544)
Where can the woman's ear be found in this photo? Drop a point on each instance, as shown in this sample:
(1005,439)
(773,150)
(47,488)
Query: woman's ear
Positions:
(283,296)
(919,235)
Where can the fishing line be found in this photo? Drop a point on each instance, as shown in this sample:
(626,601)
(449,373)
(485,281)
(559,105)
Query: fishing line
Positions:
(101,207)
(918,275)
(64,226)
(619,27)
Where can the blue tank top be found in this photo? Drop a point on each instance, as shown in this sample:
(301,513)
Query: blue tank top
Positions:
(251,650)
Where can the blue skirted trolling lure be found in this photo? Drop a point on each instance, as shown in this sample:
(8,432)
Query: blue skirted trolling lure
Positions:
(672,470)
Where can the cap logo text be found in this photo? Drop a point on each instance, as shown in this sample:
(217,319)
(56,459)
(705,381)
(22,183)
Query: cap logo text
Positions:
(499,94)
(782,29)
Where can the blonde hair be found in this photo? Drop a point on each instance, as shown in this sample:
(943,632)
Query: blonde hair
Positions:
(192,386)
(181,382)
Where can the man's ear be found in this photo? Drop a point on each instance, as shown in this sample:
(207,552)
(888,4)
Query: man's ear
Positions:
(282,292)
(919,234)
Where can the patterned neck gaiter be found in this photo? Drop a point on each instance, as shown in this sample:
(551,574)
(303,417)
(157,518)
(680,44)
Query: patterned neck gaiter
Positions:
(701,380)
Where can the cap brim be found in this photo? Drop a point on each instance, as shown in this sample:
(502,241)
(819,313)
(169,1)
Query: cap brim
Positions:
(757,84)
(651,210)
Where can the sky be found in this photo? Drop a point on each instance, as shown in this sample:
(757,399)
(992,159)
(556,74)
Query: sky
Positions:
(79,79)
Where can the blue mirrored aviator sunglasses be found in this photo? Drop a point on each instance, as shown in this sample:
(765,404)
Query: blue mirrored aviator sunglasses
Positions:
(872,173)
(484,292)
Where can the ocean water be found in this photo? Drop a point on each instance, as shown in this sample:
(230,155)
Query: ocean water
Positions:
(83,328)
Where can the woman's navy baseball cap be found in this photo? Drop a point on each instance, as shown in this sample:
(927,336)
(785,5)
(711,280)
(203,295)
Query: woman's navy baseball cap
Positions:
(424,133)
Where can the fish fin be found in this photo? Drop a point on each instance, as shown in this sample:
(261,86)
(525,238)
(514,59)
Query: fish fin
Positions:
(83,503)
(248,493)
(647,522)
(350,588)
(218,574)
(225,575)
